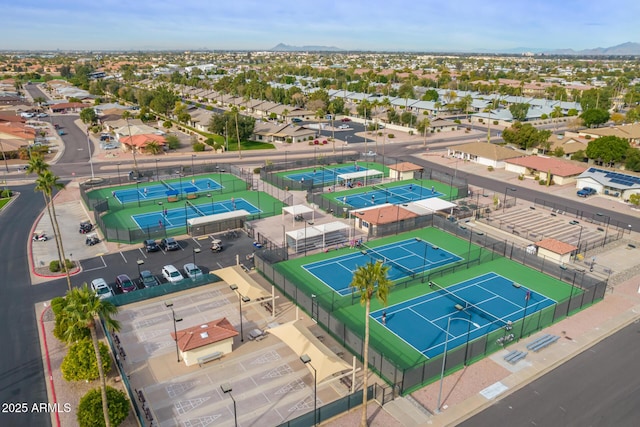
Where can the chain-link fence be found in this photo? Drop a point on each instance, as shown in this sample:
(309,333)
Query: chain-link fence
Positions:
(325,309)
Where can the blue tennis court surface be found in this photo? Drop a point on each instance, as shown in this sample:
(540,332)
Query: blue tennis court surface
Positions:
(395,195)
(175,217)
(405,258)
(157,190)
(324,175)
(491,300)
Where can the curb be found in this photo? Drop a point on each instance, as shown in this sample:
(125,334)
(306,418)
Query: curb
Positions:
(48,364)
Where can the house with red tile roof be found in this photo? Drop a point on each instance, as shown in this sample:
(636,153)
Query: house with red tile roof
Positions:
(204,340)
(546,168)
(140,142)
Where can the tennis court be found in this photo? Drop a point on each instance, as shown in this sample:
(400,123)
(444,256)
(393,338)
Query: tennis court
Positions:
(177,217)
(490,302)
(159,190)
(377,195)
(323,174)
(406,258)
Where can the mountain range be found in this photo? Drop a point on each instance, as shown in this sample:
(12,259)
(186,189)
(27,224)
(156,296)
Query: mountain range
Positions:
(624,49)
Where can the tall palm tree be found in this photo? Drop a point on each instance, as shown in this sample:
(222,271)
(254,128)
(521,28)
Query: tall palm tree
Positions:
(370,280)
(47,182)
(82,310)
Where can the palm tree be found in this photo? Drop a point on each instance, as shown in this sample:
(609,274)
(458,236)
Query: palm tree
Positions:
(235,115)
(82,310)
(47,182)
(370,279)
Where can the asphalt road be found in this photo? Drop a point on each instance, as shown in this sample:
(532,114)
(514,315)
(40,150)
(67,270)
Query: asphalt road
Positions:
(599,387)
(21,372)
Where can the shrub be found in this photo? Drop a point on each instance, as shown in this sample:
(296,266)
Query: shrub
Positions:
(167,124)
(6,193)
(521,177)
(173,142)
(391,136)
(457,121)
(481,120)
(542,182)
(90,408)
(289,140)
(80,363)
(198,146)
(490,168)
(410,132)
(257,170)
(210,142)
(208,108)
(54,266)
(495,122)
(543,117)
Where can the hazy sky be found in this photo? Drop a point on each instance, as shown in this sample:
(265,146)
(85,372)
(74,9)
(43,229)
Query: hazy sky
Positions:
(423,25)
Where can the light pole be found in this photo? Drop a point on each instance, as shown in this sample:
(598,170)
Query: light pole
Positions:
(307,361)
(579,238)
(138,190)
(90,159)
(444,355)
(527,297)
(504,205)
(241,299)
(175,330)
(192,170)
(226,389)
(210,196)
(606,231)
(195,251)
(157,172)
(118,165)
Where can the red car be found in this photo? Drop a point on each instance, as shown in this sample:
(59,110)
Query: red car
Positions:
(345,119)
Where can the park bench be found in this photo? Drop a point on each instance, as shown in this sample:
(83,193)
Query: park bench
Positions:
(209,357)
(172,199)
(515,356)
(192,196)
(542,342)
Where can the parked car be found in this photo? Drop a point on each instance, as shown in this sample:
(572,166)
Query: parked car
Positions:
(61,132)
(150,245)
(345,119)
(343,127)
(296,120)
(169,244)
(42,115)
(586,192)
(125,284)
(192,271)
(148,280)
(171,274)
(101,288)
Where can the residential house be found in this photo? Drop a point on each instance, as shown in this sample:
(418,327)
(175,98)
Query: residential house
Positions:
(484,153)
(569,143)
(630,132)
(140,142)
(545,169)
(610,182)
(281,132)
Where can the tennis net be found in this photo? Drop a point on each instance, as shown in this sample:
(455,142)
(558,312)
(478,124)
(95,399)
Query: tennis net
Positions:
(385,260)
(195,209)
(389,193)
(166,185)
(466,304)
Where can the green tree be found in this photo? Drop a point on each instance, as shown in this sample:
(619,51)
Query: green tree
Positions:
(88,116)
(519,111)
(632,160)
(48,183)
(90,403)
(430,95)
(608,149)
(370,280)
(80,362)
(153,147)
(634,199)
(173,142)
(83,309)
(406,91)
(423,128)
(164,100)
(595,117)
(525,135)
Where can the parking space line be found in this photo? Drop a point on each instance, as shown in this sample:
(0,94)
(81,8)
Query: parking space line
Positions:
(142,252)
(104,265)
(123,257)
(196,242)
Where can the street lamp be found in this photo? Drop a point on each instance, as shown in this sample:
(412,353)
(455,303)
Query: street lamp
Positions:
(139,263)
(157,172)
(606,231)
(195,251)
(175,330)
(138,190)
(210,196)
(579,237)
(226,389)
(192,170)
(444,355)
(504,205)
(307,361)
(527,297)
(118,165)
(241,299)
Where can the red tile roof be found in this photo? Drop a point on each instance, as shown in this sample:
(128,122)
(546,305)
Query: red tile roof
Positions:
(556,246)
(143,140)
(385,215)
(549,164)
(205,334)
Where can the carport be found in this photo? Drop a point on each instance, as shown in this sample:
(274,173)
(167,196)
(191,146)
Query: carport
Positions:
(328,366)
(427,206)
